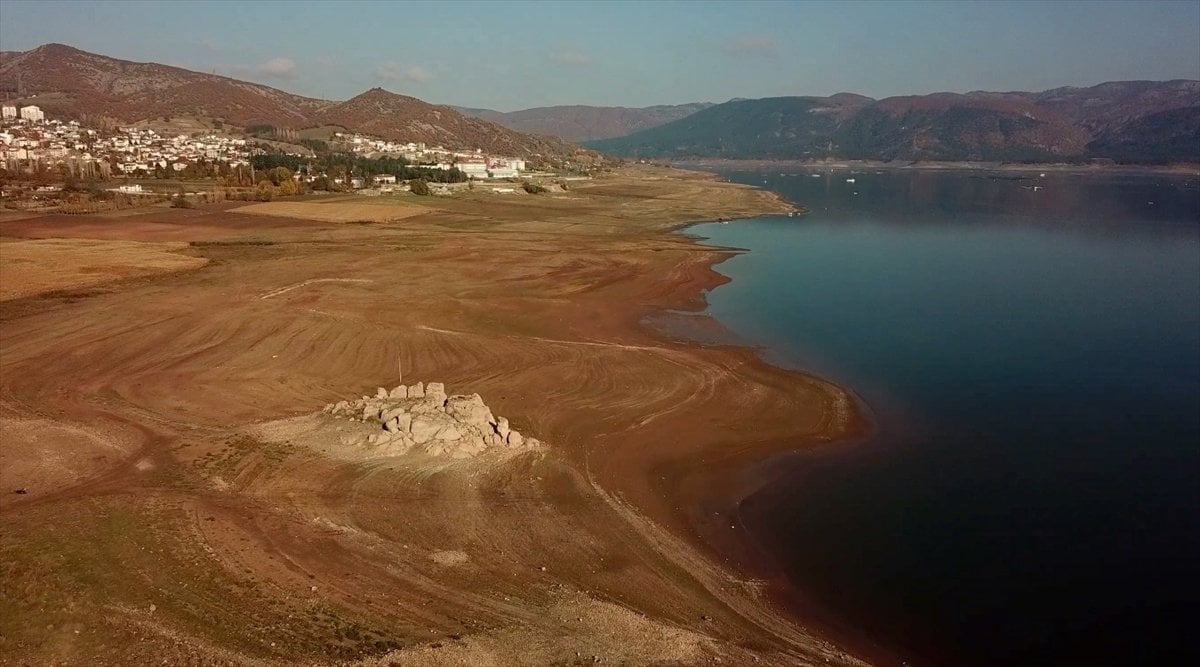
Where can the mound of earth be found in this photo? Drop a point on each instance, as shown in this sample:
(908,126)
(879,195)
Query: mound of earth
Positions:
(408,419)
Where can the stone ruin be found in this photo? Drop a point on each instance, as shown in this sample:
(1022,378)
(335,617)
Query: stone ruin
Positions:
(422,418)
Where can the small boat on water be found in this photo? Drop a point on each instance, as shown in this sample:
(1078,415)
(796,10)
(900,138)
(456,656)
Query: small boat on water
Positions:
(849,180)
(815,175)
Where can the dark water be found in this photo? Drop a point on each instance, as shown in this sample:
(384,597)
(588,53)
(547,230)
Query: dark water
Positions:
(1032,359)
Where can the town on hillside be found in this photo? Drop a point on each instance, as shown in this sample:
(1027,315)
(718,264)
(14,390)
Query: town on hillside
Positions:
(46,163)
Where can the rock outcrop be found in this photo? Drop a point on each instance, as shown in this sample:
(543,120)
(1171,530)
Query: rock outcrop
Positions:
(421,418)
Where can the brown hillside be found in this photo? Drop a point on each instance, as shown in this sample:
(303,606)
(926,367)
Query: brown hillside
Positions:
(1108,106)
(584,123)
(404,118)
(73,82)
(976,126)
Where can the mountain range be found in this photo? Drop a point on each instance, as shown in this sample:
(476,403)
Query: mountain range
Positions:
(1129,121)
(584,123)
(70,83)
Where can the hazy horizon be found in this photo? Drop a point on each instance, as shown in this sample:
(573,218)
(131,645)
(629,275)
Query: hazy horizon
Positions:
(509,56)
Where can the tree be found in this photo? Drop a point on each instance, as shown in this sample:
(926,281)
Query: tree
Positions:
(265,191)
(419,187)
(287,188)
(316,145)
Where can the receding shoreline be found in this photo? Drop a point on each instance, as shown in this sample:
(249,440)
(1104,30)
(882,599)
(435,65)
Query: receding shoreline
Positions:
(723,492)
(537,304)
(1189,169)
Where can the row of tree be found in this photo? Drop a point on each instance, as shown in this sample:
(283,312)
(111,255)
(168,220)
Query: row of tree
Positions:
(344,166)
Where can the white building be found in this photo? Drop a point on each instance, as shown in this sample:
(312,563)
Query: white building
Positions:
(473,169)
(8,112)
(33,114)
(502,172)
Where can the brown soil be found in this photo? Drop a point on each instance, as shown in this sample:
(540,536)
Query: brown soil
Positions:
(341,209)
(155,529)
(36,266)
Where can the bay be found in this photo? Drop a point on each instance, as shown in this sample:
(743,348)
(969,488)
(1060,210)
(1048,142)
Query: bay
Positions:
(1029,349)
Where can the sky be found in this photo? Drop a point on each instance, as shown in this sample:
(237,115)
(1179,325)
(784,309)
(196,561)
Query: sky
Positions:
(516,55)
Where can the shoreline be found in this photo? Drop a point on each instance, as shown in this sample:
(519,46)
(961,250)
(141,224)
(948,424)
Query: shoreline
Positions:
(763,465)
(932,165)
(513,299)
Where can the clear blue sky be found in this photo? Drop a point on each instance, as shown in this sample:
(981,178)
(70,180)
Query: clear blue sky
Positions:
(515,55)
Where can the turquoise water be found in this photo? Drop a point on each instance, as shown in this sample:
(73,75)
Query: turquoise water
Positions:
(1032,361)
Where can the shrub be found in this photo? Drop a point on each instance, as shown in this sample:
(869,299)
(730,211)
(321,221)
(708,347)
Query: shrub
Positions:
(419,187)
(179,201)
(533,188)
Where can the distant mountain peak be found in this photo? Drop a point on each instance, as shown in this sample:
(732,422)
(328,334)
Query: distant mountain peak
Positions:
(57,48)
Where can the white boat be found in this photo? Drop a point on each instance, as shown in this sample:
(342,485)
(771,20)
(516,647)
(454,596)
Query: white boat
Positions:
(849,180)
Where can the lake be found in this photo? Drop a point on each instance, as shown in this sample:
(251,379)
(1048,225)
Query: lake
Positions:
(1029,350)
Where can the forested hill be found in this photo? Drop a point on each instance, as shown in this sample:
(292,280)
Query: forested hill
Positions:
(1128,121)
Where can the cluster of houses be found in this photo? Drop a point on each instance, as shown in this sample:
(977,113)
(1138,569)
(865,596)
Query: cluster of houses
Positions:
(27,138)
(28,141)
(475,164)
(146,151)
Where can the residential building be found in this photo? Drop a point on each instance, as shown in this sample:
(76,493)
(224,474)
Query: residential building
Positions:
(32,114)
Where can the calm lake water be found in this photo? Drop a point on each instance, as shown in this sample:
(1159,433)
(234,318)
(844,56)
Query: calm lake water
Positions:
(1032,361)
